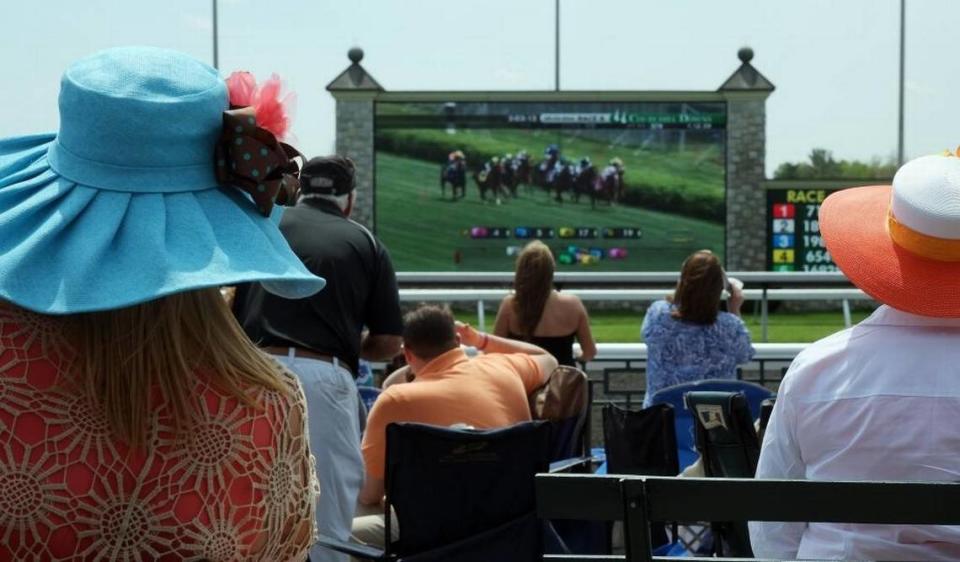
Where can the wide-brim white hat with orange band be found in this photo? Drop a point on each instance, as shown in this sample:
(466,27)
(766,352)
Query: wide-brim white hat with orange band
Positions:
(900,244)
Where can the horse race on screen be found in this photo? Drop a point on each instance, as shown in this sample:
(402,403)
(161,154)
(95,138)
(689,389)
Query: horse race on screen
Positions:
(607,185)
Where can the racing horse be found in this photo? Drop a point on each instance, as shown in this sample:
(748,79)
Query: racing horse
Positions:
(563,180)
(585,183)
(523,171)
(454,173)
(605,189)
(508,176)
(609,183)
(545,173)
(489,178)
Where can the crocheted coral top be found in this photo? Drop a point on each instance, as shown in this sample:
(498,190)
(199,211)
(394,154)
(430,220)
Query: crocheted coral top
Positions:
(238,485)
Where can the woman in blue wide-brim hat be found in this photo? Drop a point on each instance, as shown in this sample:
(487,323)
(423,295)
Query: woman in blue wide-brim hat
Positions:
(136,419)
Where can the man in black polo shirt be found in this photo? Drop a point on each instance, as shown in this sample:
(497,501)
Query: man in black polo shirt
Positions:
(321,338)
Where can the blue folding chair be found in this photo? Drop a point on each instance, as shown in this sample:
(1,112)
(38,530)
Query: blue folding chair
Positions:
(369,394)
(686,443)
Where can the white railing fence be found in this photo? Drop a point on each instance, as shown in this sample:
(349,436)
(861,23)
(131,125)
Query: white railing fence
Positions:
(621,287)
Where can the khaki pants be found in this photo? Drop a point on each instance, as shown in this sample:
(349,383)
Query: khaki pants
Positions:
(369,526)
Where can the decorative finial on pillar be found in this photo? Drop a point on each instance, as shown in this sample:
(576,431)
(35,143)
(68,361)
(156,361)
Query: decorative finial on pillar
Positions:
(746,78)
(356,55)
(354,78)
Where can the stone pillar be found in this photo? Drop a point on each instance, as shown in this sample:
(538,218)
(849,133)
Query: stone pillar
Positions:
(355,93)
(746,93)
(746,198)
(355,140)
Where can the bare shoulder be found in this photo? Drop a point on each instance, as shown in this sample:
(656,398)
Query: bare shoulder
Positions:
(506,306)
(569,300)
(567,297)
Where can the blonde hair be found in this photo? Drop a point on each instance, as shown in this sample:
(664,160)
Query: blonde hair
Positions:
(532,285)
(125,356)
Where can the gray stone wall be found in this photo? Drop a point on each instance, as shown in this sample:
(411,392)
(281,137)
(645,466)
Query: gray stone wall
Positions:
(746,198)
(355,140)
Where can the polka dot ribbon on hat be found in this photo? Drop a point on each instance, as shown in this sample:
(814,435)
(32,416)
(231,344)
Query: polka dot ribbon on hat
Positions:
(251,159)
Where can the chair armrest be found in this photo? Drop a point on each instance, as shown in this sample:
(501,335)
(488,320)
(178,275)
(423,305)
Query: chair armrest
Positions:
(568,464)
(360,551)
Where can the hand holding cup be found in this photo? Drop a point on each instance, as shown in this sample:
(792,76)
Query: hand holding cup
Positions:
(735,301)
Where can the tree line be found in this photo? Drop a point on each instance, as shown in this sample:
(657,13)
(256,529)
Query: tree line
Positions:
(821,165)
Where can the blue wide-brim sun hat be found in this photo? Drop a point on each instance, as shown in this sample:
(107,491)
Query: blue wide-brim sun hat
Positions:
(122,205)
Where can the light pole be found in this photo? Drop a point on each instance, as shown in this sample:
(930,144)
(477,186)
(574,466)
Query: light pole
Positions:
(903,13)
(556,39)
(216,53)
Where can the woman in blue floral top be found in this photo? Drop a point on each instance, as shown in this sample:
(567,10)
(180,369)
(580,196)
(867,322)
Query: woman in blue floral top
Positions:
(688,338)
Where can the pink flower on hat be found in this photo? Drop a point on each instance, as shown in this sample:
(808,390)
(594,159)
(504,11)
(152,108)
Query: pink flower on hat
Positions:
(242,87)
(272,113)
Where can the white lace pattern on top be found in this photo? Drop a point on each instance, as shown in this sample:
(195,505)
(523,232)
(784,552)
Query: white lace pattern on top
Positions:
(239,484)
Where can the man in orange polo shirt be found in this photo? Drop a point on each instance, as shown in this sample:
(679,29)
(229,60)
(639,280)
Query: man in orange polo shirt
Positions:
(486,391)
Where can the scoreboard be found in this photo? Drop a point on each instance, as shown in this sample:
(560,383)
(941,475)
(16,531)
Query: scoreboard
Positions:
(793,231)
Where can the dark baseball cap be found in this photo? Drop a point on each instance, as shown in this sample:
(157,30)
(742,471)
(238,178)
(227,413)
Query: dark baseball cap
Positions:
(328,175)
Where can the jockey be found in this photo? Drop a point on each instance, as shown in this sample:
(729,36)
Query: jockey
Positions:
(551,165)
(612,176)
(584,165)
(616,168)
(585,174)
(455,173)
(508,173)
(489,166)
(456,162)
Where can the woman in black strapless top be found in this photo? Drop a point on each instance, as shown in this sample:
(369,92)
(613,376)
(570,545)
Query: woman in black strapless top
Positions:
(538,314)
(561,347)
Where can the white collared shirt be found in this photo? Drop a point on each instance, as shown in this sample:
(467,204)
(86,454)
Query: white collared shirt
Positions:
(879,401)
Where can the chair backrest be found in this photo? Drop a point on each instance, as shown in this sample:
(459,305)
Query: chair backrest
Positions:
(725,436)
(640,442)
(564,401)
(729,448)
(447,485)
(686,443)
(638,500)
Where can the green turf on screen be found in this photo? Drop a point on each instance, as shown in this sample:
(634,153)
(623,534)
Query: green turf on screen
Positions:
(688,182)
(423,232)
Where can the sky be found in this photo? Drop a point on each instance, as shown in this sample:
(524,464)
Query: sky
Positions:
(834,63)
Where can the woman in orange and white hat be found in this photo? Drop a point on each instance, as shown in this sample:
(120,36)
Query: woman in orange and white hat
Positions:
(881,400)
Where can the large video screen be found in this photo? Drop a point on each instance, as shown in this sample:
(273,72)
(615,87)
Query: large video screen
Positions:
(609,186)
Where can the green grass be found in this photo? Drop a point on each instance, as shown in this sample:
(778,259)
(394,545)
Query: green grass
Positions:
(423,231)
(695,174)
(688,179)
(794,327)
(784,327)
